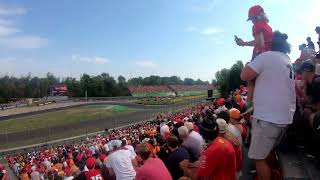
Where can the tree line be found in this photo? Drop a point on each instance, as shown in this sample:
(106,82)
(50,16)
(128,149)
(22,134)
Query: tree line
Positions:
(229,79)
(102,85)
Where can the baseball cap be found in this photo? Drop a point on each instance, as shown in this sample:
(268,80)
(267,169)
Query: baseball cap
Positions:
(254,11)
(102,157)
(308,66)
(90,163)
(234,113)
(222,124)
(220,101)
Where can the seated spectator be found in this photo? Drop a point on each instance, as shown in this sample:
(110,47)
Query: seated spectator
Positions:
(35,174)
(192,141)
(152,168)
(223,132)
(121,162)
(217,162)
(235,119)
(177,154)
(92,172)
(231,128)
(3,173)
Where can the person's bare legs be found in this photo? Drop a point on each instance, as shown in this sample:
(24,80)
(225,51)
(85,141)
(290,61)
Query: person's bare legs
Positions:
(263,170)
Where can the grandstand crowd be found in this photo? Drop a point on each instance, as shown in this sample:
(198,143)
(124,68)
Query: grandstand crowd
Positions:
(173,89)
(161,149)
(205,141)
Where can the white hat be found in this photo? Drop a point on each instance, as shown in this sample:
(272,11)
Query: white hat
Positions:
(222,124)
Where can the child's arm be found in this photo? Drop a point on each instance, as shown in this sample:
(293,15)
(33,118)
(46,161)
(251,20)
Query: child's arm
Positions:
(258,41)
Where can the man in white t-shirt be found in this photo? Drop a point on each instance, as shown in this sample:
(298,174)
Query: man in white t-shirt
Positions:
(274,101)
(121,162)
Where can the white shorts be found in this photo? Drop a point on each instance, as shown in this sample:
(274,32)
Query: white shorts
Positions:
(265,137)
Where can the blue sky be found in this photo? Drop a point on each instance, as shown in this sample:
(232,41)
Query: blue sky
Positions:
(187,38)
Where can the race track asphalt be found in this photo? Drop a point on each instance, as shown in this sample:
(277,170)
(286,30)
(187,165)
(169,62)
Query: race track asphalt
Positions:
(8,140)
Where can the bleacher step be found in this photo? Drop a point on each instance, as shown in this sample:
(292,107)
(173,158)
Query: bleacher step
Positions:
(296,166)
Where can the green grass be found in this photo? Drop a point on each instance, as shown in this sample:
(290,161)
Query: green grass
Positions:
(56,118)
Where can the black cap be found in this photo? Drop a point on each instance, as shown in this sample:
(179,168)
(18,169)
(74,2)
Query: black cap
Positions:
(307,66)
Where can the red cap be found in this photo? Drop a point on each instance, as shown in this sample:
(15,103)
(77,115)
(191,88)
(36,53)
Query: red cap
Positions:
(90,162)
(254,11)
(102,157)
(220,101)
(68,172)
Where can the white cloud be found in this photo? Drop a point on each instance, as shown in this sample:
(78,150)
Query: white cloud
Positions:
(23,42)
(6,30)
(146,64)
(208,31)
(10,36)
(6,22)
(211,31)
(91,60)
(11,10)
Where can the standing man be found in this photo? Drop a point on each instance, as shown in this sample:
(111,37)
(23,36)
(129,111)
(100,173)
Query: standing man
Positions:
(274,101)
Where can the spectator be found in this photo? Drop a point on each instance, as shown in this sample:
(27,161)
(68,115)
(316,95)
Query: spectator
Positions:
(317,59)
(192,141)
(68,175)
(310,43)
(235,119)
(217,162)
(312,107)
(223,132)
(152,168)
(121,162)
(270,119)
(312,83)
(262,42)
(35,174)
(318,32)
(306,53)
(231,128)
(92,172)
(177,154)
(3,173)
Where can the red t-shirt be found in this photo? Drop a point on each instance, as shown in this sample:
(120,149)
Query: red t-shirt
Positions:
(218,161)
(262,26)
(94,174)
(238,153)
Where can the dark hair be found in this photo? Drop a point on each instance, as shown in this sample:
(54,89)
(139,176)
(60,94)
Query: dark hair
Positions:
(172,141)
(209,129)
(224,115)
(227,104)
(318,29)
(318,56)
(279,42)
